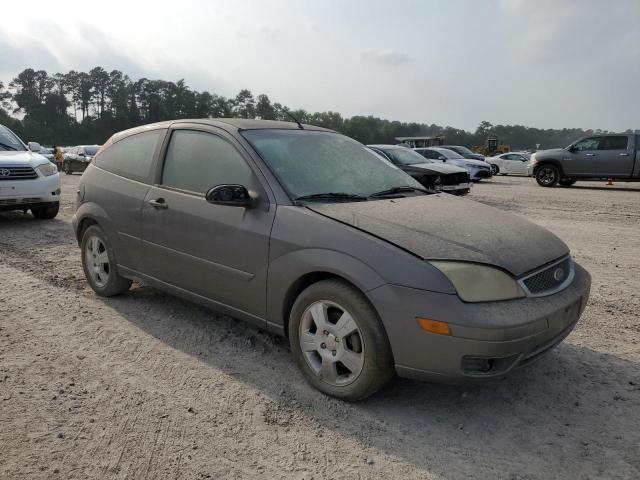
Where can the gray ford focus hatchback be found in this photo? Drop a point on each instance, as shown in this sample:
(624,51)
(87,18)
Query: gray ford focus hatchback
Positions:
(308,234)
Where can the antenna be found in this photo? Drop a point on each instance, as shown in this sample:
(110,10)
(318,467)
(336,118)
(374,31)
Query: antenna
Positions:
(295,120)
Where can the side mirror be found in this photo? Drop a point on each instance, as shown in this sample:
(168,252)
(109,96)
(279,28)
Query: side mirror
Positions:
(34,147)
(441,157)
(230,195)
(572,148)
(81,154)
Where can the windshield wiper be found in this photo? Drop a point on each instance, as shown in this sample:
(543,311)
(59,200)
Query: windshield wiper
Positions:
(396,190)
(332,196)
(8,147)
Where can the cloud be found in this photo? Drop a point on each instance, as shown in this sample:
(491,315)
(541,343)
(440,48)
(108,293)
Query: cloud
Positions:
(388,58)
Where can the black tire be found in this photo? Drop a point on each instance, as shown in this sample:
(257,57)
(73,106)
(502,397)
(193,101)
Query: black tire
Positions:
(115,284)
(566,183)
(46,212)
(377,368)
(547,175)
(495,169)
(67,169)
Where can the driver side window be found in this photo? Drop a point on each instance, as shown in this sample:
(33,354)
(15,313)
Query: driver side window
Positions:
(586,144)
(196,161)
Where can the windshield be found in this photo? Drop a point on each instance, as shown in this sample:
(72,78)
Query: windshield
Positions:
(461,150)
(8,140)
(91,151)
(311,162)
(448,153)
(404,156)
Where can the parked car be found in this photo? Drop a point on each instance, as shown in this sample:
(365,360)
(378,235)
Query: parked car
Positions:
(464,152)
(28,181)
(307,233)
(615,156)
(434,176)
(46,153)
(512,163)
(77,158)
(477,170)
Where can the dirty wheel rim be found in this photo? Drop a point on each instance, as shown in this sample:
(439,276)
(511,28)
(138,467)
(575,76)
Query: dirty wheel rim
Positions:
(97,261)
(331,343)
(547,176)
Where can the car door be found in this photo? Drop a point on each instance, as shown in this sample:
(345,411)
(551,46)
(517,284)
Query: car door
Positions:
(580,159)
(615,157)
(216,251)
(518,164)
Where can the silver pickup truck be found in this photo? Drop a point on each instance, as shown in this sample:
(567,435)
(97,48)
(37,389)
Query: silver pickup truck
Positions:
(590,158)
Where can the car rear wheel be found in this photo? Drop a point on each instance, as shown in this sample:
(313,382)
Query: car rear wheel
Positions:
(566,183)
(339,342)
(494,169)
(547,175)
(99,264)
(67,169)
(47,211)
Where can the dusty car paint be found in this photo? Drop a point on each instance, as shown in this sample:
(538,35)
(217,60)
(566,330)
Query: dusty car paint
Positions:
(252,263)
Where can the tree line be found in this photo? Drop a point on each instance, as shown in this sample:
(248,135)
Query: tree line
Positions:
(88,107)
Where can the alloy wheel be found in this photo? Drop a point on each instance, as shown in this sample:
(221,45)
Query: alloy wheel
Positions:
(331,343)
(97,261)
(547,176)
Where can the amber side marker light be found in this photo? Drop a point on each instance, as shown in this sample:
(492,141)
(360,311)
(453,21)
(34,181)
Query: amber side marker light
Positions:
(434,326)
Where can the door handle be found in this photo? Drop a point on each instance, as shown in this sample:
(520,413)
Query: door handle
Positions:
(590,154)
(159,203)
(623,154)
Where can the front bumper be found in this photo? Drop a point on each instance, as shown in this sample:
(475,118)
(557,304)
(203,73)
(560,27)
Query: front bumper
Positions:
(480,174)
(23,194)
(487,339)
(460,188)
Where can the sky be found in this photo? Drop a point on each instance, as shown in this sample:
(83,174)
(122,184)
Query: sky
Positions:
(542,63)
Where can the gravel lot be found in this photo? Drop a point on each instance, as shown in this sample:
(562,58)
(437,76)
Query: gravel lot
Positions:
(149,386)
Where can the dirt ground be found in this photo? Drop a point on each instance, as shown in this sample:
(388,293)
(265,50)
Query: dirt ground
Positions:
(149,386)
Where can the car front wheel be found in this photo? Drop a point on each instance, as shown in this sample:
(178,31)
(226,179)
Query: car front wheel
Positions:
(99,264)
(46,211)
(339,342)
(547,175)
(494,169)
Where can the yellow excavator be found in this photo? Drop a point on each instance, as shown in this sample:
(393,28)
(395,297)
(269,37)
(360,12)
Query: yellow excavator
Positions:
(491,147)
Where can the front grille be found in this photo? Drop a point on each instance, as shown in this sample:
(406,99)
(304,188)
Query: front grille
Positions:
(455,178)
(549,280)
(17,173)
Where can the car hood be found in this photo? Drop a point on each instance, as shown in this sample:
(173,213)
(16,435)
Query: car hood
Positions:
(10,157)
(438,167)
(553,152)
(443,227)
(470,161)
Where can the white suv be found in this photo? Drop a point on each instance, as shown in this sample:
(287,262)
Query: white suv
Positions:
(28,181)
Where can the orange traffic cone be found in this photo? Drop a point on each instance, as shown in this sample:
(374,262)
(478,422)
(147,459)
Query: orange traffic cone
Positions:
(609,181)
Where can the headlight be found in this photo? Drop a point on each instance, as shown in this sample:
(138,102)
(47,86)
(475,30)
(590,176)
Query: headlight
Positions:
(532,159)
(479,283)
(47,169)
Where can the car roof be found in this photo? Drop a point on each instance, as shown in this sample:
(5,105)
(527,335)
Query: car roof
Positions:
(229,124)
(382,146)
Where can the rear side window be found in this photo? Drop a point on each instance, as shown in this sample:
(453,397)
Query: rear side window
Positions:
(197,161)
(132,157)
(614,143)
